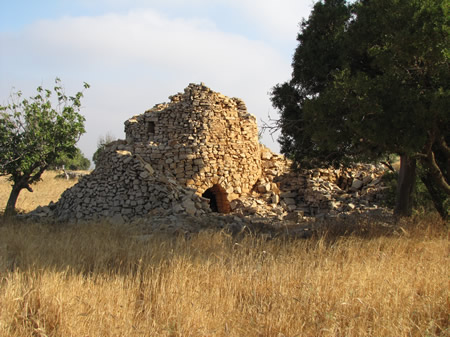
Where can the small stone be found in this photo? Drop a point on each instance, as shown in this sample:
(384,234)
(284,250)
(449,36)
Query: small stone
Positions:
(275,199)
(285,195)
(266,155)
(264,188)
(356,185)
(295,216)
(367,179)
(189,206)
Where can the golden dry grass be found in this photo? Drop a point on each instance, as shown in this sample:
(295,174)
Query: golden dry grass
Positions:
(98,280)
(45,191)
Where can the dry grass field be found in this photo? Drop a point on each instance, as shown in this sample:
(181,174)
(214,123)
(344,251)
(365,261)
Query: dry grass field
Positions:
(99,280)
(45,191)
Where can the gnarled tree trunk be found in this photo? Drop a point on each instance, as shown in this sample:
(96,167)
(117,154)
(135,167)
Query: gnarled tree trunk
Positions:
(20,183)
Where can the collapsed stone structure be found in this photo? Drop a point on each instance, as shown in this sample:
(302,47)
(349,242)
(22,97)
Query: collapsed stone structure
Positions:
(200,153)
(203,139)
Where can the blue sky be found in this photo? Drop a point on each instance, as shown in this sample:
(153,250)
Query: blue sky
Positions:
(136,53)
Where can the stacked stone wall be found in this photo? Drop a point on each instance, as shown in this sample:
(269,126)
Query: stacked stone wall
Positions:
(318,192)
(124,187)
(202,139)
(200,153)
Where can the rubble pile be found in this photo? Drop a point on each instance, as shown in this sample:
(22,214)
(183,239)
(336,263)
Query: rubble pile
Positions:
(320,192)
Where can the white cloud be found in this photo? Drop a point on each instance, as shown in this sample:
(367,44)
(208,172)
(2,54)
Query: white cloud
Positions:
(280,19)
(136,60)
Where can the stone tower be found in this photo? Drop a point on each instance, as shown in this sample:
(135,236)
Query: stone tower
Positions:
(205,140)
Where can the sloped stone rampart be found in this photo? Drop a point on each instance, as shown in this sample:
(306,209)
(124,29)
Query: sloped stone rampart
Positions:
(124,187)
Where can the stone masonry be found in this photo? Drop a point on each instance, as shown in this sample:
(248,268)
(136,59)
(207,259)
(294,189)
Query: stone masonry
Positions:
(203,139)
(123,188)
(200,153)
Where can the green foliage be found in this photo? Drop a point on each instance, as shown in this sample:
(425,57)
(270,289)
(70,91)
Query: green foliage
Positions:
(102,142)
(76,161)
(34,134)
(320,52)
(370,79)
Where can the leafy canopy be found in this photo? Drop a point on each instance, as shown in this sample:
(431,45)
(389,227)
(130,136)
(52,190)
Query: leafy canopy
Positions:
(77,161)
(369,78)
(33,134)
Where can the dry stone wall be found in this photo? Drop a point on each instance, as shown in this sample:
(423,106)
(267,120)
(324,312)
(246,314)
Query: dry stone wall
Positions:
(123,188)
(200,153)
(306,194)
(203,139)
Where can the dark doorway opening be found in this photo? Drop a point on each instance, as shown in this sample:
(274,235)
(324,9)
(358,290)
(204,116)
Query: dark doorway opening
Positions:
(218,200)
(212,200)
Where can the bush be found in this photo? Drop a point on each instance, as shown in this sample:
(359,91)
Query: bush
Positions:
(76,162)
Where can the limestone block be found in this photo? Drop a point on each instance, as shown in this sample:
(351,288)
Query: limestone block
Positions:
(264,188)
(275,198)
(356,185)
(266,155)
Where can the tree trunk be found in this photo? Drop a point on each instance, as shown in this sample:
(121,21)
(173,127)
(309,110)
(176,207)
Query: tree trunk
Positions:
(436,195)
(405,186)
(11,205)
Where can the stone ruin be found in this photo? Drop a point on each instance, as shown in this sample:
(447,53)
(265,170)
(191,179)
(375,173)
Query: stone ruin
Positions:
(203,139)
(199,154)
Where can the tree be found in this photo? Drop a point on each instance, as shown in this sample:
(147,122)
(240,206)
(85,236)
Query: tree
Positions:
(371,78)
(75,161)
(33,135)
(102,142)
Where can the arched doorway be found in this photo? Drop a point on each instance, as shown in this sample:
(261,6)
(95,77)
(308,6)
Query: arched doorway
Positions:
(218,200)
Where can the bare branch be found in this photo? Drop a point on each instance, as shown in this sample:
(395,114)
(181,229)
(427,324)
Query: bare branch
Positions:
(388,165)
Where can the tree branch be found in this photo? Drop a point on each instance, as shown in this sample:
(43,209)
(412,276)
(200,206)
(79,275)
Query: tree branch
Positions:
(435,170)
(388,165)
(443,146)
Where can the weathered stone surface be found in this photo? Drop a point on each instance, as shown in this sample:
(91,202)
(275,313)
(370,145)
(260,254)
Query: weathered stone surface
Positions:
(203,143)
(356,185)
(202,138)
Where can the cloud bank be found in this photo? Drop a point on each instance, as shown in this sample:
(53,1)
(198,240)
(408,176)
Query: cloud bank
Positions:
(135,59)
